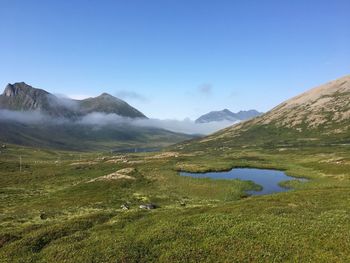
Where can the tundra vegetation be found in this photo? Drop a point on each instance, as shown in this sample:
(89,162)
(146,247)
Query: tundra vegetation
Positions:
(66,206)
(61,206)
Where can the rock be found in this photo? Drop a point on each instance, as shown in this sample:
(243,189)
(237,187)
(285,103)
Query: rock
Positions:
(43,216)
(148,206)
(125,207)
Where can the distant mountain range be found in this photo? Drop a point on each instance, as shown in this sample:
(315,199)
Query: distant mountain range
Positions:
(320,116)
(23,97)
(42,119)
(227,115)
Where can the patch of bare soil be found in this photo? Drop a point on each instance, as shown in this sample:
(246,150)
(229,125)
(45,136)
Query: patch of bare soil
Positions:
(84,163)
(120,174)
(164,155)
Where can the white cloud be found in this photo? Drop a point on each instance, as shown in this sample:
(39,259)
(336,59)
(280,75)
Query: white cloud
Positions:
(79,96)
(183,126)
(99,120)
(28,117)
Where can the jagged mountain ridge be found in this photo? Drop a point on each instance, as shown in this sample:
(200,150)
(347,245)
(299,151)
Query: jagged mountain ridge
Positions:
(23,97)
(227,115)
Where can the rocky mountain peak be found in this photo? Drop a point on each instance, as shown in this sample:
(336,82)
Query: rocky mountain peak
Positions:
(23,97)
(9,91)
(21,88)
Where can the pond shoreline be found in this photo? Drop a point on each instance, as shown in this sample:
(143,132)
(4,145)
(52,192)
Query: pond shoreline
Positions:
(271,180)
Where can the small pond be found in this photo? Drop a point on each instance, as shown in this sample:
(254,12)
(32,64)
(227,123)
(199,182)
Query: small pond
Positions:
(268,179)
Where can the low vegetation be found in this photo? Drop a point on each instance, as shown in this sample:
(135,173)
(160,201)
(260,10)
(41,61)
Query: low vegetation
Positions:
(56,208)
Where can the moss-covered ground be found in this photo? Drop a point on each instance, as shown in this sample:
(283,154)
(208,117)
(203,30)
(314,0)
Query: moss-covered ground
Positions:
(50,212)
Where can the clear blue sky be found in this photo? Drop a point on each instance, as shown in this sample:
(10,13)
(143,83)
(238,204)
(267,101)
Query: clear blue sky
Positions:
(176,58)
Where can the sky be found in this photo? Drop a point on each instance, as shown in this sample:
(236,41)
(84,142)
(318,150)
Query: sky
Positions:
(176,59)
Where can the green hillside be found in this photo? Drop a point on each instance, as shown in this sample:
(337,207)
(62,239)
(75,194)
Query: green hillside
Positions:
(320,116)
(79,137)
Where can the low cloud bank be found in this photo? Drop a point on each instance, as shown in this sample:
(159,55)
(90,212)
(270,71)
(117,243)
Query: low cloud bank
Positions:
(185,126)
(23,117)
(101,119)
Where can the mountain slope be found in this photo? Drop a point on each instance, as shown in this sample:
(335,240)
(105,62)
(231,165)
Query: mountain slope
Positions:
(227,115)
(318,116)
(108,104)
(34,117)
(23,97)
(80,137)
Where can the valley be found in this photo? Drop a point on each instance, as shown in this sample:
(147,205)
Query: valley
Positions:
(175,131)
(99,205)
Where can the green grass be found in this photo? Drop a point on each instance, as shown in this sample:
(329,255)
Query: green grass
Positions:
(50,213)
(78,137)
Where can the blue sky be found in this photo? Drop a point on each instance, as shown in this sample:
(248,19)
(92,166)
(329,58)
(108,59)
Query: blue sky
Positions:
(176,58)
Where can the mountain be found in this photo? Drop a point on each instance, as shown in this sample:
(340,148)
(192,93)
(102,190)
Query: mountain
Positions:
(34,117)
(23,97)
(320,116)
(247,114)
(227,115)
(108,104)
(224,115)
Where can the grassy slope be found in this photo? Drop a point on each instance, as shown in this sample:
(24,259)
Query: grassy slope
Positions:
(85,137)
(84,222)
(317,117)
(269,136)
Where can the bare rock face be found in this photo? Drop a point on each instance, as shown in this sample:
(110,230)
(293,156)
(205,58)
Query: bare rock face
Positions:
(10,91)
(22,97)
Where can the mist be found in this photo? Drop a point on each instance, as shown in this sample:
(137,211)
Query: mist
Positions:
(182,126)
(99,120)
(63,101)
(185,126)
(27,117)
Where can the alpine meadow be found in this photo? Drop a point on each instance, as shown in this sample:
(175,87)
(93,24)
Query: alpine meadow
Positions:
(137,161)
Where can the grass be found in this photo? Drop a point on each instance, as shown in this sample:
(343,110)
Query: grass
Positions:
(50,213)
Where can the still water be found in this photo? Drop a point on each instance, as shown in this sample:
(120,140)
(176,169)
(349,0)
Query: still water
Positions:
(268,179)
